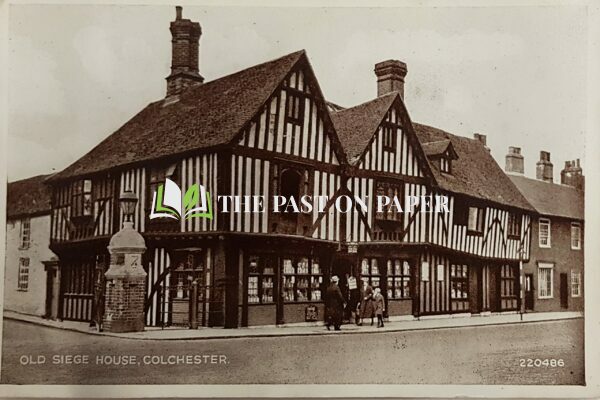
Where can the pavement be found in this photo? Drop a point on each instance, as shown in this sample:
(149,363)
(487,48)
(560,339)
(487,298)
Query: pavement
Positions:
(406,323)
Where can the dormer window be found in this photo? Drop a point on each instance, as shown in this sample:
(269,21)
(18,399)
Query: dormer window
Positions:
(445,165)
(441,153)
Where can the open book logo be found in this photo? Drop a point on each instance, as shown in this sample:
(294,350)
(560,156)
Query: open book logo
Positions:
(168,203)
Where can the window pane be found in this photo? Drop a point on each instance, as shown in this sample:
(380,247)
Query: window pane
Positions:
(472,225)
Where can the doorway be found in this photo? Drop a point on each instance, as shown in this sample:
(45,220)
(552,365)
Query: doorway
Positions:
(529,290)
(564,291)
(52,289)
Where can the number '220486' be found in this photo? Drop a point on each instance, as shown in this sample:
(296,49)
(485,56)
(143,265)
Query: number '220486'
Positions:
(541,362)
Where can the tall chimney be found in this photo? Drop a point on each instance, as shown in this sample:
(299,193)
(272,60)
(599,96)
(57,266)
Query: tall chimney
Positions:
(572,175)
(544,170)
(184,57)
(514,161)
(483,139)
(390,77)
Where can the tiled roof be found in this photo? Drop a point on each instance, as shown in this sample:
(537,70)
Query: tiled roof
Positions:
(356,126)
(28,197)
(436,148)
(475,173)
(550,198)
(205,115)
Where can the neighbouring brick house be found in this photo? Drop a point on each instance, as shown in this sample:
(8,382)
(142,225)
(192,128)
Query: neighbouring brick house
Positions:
(27,247)
(554,273)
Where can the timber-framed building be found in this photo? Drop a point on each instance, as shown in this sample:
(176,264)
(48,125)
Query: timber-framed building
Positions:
(268,130)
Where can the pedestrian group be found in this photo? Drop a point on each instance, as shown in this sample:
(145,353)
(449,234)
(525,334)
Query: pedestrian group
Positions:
(363,303)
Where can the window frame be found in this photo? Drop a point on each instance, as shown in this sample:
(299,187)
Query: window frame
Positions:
(578,226)
(294,112)
(578,283)
(402,276)
(547,221)
(389,138)
(373,273)
(23,274)
(550,267)
(514,225)
(445,164)
(459,279)
(309,276)
(25,234)
(479,221)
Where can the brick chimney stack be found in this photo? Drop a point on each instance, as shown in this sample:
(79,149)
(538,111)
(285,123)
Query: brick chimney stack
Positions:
(544,168)
(514,161)
(390,77)
(184,58)
(483,139)
(572,175)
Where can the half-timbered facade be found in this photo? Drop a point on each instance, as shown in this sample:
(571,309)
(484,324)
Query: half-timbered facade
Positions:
(265,131)
(463,261)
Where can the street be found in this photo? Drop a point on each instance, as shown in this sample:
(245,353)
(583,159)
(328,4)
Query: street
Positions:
(528,353)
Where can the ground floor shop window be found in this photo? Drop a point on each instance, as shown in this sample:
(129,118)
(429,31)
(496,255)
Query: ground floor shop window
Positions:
(398,279)
(369,270)
(508,287)
(261,277)
(301,280)
(459,287)
(545,280)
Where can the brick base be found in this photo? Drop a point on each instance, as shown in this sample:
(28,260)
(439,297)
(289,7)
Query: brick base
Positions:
(124,305)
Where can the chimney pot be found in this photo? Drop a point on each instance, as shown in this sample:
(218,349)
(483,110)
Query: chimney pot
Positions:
(184,56)
(572,175)
(544,168)
(390,77)
(514,161)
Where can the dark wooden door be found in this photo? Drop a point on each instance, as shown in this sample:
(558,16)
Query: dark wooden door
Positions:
(529,290)
(564,291)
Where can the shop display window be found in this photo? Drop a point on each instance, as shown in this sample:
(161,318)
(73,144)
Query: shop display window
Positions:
(301,279)
(261,278)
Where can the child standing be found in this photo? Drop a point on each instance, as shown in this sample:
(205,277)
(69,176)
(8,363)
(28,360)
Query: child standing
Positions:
(379,306)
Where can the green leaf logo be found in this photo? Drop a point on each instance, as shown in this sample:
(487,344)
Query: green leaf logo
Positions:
(191,197)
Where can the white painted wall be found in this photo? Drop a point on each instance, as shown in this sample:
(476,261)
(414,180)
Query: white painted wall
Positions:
(33,300)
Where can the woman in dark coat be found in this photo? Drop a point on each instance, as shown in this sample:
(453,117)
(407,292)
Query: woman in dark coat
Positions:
(367,308)
(334,305)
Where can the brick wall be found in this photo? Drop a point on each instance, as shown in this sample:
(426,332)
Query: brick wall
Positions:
(564,259)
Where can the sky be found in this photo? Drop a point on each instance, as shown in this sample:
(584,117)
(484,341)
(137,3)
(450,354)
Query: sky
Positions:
(516,74)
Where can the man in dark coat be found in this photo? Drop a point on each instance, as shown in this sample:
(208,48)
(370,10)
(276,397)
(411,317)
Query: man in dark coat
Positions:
(334,305)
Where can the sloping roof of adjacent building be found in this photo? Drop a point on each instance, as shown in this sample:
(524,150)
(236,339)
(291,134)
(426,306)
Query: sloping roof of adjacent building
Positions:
(475,173)
(356,126)
(550,198)
(206,115)
(28,197)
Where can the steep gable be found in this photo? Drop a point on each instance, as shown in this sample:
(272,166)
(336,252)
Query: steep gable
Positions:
(295,120)
(378,135)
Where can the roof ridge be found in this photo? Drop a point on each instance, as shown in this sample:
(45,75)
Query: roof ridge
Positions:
(367,102)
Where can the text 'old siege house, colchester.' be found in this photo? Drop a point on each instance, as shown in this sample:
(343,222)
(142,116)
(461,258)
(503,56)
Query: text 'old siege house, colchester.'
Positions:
(268,130)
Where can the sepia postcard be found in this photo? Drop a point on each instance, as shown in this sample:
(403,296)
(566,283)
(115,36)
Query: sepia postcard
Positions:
(290,199)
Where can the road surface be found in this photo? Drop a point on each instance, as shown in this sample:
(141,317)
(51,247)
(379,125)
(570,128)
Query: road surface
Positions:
(471,355)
